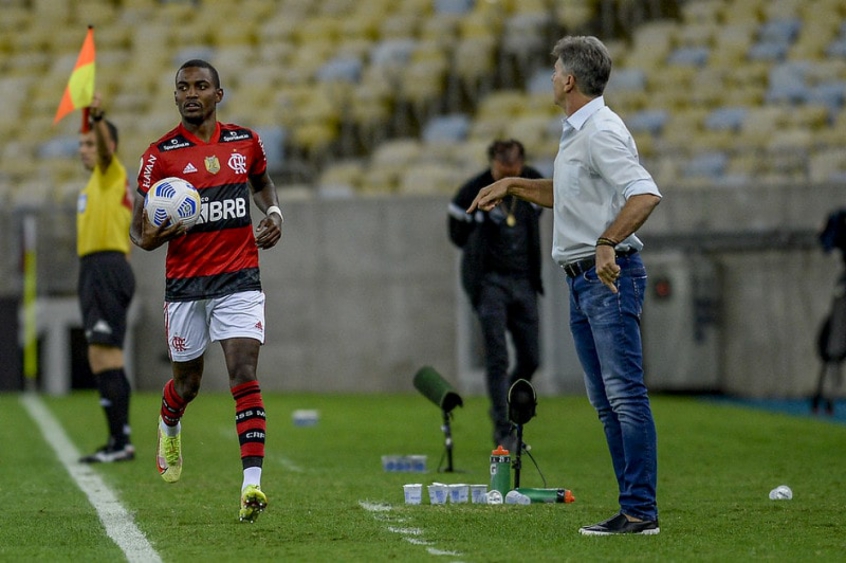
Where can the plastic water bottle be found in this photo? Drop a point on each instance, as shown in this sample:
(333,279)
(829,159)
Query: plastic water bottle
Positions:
(548,495)
(500,470)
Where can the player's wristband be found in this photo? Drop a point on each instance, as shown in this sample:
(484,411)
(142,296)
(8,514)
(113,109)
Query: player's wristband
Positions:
(275,209)
(98,116)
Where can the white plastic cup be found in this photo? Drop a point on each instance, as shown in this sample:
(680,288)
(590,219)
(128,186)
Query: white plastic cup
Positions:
(782,492)
(413,493)
(479,494)
(494,497)
(516,497)
(417,463)
(391,463)
(438,493)
(305,417)
(459,493)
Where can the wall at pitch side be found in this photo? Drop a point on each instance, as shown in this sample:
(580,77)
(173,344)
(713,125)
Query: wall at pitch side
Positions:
(359,296)
(361,293)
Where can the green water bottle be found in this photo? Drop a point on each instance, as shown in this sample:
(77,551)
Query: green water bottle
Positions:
(547,495)
(501,470)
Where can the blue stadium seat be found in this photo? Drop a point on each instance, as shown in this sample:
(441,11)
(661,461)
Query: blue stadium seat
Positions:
(708,164)
(458,7)
(621,80)
(540,82)
(779,30)
(273,138)
(725,118)
(59,147)
(787,83)
(648,121)
(832,94)
(344,69)
(689,56)
(392,52)
(454,127)
(768,51)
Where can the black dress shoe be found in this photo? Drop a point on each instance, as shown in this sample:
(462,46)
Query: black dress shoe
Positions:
(619,524)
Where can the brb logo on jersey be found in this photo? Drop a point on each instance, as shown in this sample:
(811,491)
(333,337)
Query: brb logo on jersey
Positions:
(226,209)
(238,163)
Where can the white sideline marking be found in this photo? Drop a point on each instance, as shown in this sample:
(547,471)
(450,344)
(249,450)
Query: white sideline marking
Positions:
(116,520)
(380,511)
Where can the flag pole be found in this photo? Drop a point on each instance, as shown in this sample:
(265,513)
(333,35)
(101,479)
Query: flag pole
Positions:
(30,364)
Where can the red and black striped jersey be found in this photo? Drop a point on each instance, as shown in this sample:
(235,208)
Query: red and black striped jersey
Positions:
(218,256)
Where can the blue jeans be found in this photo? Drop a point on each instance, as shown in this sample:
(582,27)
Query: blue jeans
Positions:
(606,332)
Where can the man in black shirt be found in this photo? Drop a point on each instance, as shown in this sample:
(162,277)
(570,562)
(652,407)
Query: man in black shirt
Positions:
(501,274)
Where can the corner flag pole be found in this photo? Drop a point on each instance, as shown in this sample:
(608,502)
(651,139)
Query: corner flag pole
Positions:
(30,363)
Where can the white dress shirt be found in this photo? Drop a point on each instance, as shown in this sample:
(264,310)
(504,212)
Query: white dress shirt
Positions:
(596,170)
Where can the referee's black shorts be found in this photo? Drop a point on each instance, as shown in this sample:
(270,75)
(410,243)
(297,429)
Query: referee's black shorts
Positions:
(106,287)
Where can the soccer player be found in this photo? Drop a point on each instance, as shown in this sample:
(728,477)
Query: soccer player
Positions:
(212,291)
(106,282)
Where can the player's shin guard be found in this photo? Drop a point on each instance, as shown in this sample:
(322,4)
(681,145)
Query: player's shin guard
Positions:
(250,422)
(173,406)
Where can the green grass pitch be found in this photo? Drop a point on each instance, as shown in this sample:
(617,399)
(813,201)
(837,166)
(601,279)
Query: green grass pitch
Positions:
(330,500)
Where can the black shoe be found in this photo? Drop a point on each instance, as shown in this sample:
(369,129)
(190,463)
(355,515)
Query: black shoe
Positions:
(110,454)
(619,524)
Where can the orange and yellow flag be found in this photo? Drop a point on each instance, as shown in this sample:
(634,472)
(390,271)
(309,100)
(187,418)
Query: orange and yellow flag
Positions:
(80,89)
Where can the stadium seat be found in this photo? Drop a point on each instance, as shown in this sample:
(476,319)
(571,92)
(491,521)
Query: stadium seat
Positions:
(768,51)
(711,165)
(428,179)
(458,7)
(725,118)
(343,68)
(690,56)
(447,128)
(650,121)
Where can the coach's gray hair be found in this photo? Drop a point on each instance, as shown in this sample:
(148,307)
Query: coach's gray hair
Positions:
(586,58)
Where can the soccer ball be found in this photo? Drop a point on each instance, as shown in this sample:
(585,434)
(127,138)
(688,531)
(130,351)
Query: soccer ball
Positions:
(174,199)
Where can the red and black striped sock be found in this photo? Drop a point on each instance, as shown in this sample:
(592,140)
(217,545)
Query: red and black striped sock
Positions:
(173,406)
(250,422)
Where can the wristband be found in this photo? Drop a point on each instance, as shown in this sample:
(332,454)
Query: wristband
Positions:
(604,241)
(275,209)
(98,117)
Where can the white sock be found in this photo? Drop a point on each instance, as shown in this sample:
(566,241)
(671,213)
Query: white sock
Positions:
(171,431)
(252,476)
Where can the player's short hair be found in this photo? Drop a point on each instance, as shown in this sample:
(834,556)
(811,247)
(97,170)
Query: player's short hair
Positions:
(503,149)
(200,63)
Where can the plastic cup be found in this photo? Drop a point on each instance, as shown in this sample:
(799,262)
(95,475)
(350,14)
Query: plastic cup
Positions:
(494,497)
(438,493)
(305,417)
(782,492)
(459,493)
(413,493)
(515,497)
(479,494)
(391,463)
(417,463)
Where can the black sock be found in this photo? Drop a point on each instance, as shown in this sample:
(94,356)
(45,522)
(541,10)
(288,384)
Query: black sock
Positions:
(114,398)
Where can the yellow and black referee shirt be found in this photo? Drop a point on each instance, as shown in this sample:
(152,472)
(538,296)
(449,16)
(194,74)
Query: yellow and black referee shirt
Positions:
(104,211)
